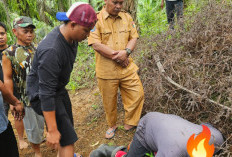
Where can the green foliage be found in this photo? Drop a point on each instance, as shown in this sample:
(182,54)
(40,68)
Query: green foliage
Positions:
(84,68)
(24,7)
(3,18)
(42,29)
(152,19)
(95,106)
(3,14)
(150,154)
(98,4)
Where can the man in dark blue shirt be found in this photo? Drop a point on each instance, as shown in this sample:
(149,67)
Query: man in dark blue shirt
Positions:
(51,69)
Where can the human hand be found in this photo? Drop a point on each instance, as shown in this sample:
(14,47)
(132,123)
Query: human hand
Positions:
(53,139)
(17,111)
(121,56)
(125,63)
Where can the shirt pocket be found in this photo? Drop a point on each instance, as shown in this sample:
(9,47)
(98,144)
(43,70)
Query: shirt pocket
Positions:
(106,36)
(124,34)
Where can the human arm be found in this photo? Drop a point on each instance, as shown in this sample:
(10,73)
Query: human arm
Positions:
(48,73)
(122,55)
(7,71)
(9,97)
(53,135)
(104,50)
(95,40)
(17,108)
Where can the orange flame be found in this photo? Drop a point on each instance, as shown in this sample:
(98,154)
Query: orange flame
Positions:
(199,147)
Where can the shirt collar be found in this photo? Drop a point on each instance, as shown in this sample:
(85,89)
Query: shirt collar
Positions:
(26,47)
(106,14)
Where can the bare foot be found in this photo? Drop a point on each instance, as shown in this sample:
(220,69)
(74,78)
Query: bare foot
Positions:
(38,155)
(128,127)
(22,144)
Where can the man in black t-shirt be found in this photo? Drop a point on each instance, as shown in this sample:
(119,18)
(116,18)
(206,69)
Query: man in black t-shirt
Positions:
(50,72)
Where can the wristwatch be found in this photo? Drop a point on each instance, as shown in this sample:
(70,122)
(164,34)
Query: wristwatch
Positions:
(128,51)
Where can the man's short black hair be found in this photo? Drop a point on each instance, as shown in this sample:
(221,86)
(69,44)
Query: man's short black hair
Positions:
(3,25)
(66,22)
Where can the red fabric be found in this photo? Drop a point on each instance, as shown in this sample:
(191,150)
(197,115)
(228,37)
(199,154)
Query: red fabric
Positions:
(84,15)
(120,154)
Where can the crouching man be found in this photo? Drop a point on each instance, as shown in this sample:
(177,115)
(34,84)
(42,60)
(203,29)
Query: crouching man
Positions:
(164,134)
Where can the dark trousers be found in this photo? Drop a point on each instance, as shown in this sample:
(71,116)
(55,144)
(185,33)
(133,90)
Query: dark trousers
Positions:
(173,7)
(8,144)
(137,149)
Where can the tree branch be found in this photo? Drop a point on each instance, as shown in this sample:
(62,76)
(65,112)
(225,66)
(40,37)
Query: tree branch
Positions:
(162,71)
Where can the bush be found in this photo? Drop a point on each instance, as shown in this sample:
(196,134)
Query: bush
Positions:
(197,58)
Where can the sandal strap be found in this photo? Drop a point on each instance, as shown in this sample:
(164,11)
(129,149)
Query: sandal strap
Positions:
(75,155)
(110,131)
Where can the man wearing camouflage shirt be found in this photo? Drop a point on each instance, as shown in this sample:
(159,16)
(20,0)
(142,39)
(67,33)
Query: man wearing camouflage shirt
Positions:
(16,65)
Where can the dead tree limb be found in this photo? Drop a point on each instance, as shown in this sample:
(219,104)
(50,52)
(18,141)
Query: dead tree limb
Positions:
(162,71)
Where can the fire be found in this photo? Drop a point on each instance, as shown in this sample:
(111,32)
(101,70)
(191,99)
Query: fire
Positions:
(199,147)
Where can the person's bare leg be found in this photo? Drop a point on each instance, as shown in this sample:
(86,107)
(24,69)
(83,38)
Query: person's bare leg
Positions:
(36,148)
(128,127)
(66,151)
(20,130)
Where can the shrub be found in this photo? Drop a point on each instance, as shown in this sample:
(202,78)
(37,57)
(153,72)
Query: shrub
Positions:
(197,58)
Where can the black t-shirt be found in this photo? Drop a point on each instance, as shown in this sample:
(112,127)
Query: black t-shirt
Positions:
(51,69)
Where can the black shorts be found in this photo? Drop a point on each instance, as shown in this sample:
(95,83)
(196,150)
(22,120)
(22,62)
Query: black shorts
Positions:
(8,144)
(64,119)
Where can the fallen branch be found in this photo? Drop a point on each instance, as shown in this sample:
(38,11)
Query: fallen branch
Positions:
(162,71)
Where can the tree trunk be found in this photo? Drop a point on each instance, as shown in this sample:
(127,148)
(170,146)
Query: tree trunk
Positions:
(63,5)
(131,7)
(90,2)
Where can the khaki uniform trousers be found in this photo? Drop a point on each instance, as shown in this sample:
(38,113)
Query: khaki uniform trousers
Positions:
(131,90)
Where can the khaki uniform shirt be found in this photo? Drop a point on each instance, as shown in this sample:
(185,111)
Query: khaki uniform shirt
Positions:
(115,33)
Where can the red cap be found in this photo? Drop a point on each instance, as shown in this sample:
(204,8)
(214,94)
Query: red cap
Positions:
(81,13)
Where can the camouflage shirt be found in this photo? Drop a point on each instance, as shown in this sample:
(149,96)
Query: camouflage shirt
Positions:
(21,59)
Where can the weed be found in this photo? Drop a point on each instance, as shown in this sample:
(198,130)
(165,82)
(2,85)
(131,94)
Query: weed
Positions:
(95,106)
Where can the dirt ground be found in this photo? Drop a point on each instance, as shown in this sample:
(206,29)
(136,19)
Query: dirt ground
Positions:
(89,123)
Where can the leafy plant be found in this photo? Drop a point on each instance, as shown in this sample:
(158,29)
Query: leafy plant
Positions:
(150,154)
(84,68)
(152,19)
(95,106)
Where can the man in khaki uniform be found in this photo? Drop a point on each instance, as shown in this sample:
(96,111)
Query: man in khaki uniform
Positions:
(114,38)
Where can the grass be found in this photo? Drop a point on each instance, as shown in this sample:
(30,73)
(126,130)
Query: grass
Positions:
(84,68)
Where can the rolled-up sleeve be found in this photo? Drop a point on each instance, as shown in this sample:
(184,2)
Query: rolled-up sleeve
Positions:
(48,72)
